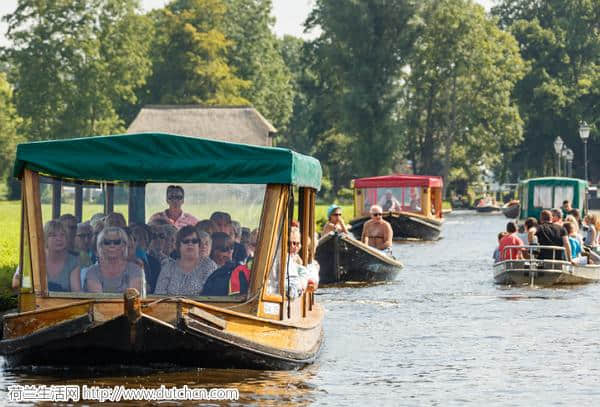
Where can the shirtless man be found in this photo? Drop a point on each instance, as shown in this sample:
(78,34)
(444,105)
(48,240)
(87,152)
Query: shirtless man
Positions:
(377,232)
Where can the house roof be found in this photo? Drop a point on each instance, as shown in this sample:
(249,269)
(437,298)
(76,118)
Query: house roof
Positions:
(239,124)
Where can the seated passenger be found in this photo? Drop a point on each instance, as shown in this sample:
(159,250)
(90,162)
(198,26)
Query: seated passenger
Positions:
(296,278)
(84,240)
(575,245)
(222,220)
(174,214)
(113,273)
(187,275)
(377,232)
(511,239)
(141,233)
(62,266)
(115,219)
(496,255)
(389,203)
(335,223)
(207,226)
(222,250)
(150,274)
(69,221)
(239,250)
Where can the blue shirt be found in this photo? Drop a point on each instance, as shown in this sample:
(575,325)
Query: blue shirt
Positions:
(575,247)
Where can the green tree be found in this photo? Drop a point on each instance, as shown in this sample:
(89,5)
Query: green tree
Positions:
(457,108)
(561,43)
(255,55)
(358,60)
(9,124)
(190,56)
(75,63)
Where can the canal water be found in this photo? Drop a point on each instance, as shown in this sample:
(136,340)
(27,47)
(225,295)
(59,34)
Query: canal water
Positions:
(441,334)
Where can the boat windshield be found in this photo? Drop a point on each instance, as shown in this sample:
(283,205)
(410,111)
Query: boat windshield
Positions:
(406,199)
(185,240)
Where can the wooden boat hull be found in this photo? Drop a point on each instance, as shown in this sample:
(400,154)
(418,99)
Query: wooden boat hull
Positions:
(487,209)
(544,273)
(404,225)
(148,341)
(511,212)
(344,259)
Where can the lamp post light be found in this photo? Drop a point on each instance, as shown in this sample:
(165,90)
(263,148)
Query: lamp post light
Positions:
(558,145)
(569,156)
(584,133)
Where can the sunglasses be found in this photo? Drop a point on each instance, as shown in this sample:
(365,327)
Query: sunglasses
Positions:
(336,214)
(295,243)
(376,214)
(175,197)
(225,249)
(190,241)
(114,242)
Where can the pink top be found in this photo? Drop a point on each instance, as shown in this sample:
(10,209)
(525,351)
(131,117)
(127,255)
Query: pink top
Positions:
(510,240)
(184,220)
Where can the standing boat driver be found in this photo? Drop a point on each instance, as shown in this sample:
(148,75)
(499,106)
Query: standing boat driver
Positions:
(335,222)
(174,214)
(378,232)
(389,203)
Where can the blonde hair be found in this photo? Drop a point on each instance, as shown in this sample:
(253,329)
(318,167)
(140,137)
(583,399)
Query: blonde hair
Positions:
(112,229)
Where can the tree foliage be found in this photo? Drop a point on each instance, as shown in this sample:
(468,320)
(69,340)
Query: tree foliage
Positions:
(74,63)
(560,41)
(9,124)
(457,103)
(255,56)
(189,56)
(358,60)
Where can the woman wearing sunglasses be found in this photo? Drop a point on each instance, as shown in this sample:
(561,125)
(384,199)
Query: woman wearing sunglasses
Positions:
(335,223)
(113,273)
(377,232)
(187,274)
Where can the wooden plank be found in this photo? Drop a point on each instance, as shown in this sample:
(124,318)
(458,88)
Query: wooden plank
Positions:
(36,233)
(19,325)
(304,215)
(208,317)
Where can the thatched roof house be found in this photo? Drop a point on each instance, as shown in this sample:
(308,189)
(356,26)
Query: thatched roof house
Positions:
(237,124)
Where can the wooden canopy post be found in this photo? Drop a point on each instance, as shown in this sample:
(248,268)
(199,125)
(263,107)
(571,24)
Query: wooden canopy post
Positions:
(33,210)
(304,217)
(109,199)
(56,198)
(79,202)
(137,202)
(426,201)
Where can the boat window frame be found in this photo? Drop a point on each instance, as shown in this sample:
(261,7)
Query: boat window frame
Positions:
(32,181)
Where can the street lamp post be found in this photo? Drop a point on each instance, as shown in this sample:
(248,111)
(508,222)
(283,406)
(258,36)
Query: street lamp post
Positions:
(569,164)
(558,145)
(584,133)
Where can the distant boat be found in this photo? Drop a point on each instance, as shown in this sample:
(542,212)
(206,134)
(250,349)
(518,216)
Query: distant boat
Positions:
(412,204)
(487,208)
(344,259)
(511,209)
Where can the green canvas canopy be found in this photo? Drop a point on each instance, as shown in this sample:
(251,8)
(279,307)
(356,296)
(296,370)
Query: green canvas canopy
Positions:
(537,194)
(162,157)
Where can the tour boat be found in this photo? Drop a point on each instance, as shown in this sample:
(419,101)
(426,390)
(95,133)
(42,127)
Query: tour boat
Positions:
(263,328)
(511,209)
(544,272)
(537,194)
(412,204)
(345,259)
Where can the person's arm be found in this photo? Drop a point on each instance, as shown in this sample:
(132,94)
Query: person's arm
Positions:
(343,225)
(16,279)
(93,284)
(567,247)
(163,280)
(387,236)
(75,279)
(328,228)
(364,238)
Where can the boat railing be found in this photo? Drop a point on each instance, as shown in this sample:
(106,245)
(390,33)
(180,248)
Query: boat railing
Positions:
(530,257)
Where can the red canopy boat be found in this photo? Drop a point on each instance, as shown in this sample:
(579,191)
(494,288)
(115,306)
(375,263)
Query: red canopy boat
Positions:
(411,203)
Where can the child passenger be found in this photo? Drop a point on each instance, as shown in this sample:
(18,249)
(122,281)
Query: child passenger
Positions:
(496,255)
